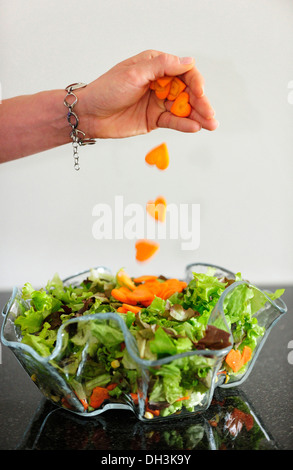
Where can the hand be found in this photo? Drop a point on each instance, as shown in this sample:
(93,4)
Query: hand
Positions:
(120,103)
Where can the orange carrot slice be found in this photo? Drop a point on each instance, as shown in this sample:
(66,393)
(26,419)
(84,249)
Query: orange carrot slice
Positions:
(158,156)
(121,294)
(111,386)
(141,294)
(134,397)
(233,359)
(162,91)
(145,249)
(157,209)
(177,86)
(183,398)
(246,354)
(236,360)
(164,81)
(98,396)
(181,106)
(154,287)
(121,310)
(131,308)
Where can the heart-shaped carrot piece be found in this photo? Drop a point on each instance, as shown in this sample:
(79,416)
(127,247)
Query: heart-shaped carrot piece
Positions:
(181,106)
(157,209)
(145,249)
(164,81)
(158,156)
(162,91)
(177,86)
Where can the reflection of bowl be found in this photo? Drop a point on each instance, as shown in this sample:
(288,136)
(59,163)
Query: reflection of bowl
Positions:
(230,423)
(61,388)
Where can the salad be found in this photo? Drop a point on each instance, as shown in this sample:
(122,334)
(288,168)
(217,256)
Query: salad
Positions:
(164,317)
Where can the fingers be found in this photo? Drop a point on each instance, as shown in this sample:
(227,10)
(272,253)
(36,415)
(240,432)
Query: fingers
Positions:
(201,113)
(150,65)
(170,121)
(194,81)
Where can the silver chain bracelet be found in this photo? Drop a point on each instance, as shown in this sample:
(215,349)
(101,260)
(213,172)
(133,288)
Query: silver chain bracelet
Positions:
(76,135)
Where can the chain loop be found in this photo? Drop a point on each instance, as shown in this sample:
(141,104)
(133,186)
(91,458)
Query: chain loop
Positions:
(76,135)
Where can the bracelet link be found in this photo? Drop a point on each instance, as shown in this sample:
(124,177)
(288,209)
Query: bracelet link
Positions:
(76,135)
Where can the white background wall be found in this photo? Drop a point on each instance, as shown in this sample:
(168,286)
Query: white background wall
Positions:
(241,174)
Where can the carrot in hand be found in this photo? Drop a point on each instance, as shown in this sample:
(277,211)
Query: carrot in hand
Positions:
(158,208)
(164,81)
(162,91)
(145,249)
(181,106)
(172,89)
(177,86)
(158,156)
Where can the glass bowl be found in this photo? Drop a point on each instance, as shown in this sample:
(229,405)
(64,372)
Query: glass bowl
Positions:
(65,388)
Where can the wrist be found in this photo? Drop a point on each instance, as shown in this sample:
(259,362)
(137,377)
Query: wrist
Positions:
(83,110)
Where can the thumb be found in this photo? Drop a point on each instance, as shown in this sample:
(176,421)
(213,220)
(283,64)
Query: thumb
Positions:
(163,64)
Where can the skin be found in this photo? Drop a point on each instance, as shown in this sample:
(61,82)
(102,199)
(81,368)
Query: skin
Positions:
(118,104)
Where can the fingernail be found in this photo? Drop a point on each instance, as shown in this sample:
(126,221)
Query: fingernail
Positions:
(186,60)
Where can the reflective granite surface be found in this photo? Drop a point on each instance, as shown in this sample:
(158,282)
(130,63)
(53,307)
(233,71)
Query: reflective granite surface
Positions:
(258,415)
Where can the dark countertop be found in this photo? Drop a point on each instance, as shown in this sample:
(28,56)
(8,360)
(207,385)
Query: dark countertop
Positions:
(29,421)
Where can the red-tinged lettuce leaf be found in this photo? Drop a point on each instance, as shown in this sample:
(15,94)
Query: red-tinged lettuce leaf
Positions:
(214,338)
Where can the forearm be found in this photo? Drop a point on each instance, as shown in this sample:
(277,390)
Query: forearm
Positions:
(33,123)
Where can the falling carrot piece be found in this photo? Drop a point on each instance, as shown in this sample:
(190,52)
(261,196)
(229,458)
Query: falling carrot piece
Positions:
(181,106)
(158,208)
(145,249)
(158,156)
(162,162)
(177,86)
